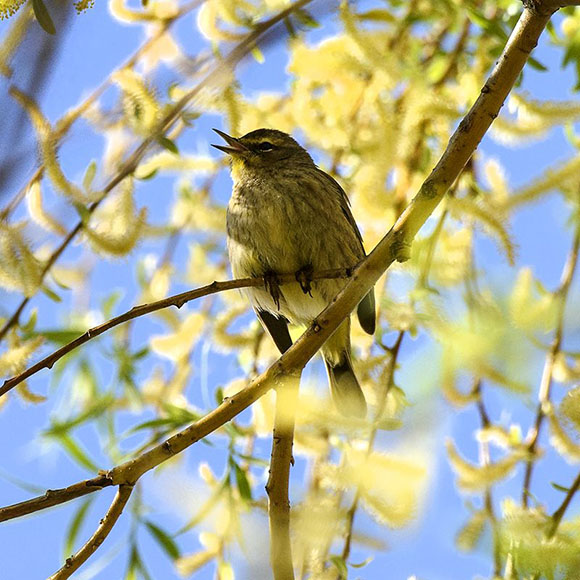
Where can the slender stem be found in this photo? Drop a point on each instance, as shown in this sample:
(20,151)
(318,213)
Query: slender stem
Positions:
(559,513)
(73,563)
(561,294)
(488,498)
(279,479)
(53,497)
(178,300)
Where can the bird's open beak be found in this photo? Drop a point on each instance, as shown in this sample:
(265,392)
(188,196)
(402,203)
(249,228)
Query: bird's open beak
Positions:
(235,147)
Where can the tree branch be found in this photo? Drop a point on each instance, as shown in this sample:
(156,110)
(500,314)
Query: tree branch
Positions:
(53,497)
(559,513)
(105,526)
(177,300)
(279,478)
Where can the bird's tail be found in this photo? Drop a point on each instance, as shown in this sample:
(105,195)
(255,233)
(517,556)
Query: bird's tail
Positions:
(345,390)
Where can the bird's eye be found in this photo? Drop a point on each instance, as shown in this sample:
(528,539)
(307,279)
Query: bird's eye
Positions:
(265,146)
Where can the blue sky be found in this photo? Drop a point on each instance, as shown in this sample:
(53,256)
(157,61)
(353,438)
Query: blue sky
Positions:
(32,547)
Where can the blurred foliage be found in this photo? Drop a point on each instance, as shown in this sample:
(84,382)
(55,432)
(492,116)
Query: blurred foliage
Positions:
(375,97)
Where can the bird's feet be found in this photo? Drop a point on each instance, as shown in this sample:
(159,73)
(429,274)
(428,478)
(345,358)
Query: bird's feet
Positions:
(272,285)
(304,278)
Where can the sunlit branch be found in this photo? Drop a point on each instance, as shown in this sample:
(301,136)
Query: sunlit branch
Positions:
(244,47)
(54,497)
(561,295)
(178,300)
(279,478)
(105,526)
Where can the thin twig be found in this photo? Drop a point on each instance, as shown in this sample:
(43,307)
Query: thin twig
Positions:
(455,53)
(559,513)
(279,479)
(561,294)
(178,300)
(105,526)
(484,458)
(53,497)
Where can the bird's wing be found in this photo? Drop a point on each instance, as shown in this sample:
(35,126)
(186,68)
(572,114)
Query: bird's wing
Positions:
(366,308)
(277,328)
(344,204)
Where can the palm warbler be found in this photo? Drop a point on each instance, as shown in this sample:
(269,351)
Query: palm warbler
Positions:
(288,216)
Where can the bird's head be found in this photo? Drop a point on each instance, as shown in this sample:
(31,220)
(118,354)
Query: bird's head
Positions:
(263,149)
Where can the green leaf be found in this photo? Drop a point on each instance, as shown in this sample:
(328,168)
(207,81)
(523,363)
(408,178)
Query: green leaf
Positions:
(243,483)
(109,303)
(136,566)
(362,564)
(559,487)
(377,15)
(219,395)
(51,293)
(206,509)
(75,526)
(60,337)
(188,117)
(168,144)
(340,565)
(28,487)
(147,176)
(536,64)
(492,27)
(153,424)
(30,325)
(166,542)
(179,414)
(141,353)
(306,19)
(76,452)
(290,28)
(43,16)
(95,410)
(253,459)
(90,175)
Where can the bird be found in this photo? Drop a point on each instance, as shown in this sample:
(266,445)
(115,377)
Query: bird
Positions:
(286,215)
